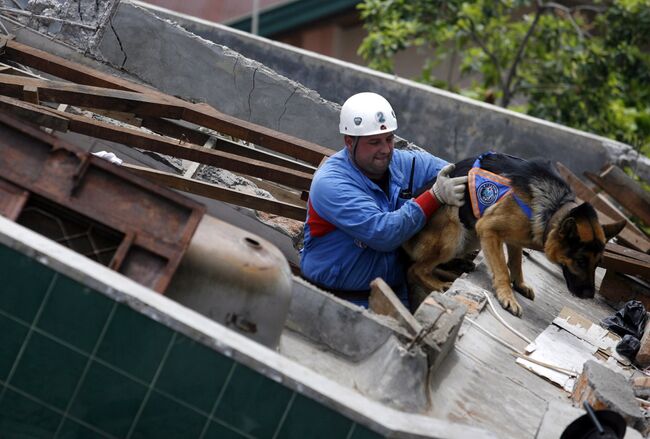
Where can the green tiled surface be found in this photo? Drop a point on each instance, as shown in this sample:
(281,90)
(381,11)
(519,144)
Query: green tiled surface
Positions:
(253,403)
(163,418)
(73,430)
(218,431)
(307,418)
(73,364)
(21,417)
(90,310)
(24,283)
(108,400)
(134,343)
(12,336)
(361,432)
(198,381)
(42,360)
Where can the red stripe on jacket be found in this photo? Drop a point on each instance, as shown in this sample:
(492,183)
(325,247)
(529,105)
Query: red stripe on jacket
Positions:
(317,225)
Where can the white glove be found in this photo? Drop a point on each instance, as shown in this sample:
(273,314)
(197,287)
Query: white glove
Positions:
(109,156)
(449,190)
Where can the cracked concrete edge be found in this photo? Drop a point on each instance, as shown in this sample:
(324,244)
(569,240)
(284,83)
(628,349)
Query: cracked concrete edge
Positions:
(384,420)
(183,64)
(358,333)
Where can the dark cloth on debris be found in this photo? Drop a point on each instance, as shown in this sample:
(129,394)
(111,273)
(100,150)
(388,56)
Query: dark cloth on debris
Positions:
(628,322)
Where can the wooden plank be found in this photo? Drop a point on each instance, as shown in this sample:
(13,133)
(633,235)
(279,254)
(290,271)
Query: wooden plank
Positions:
(66,121)
(624,251)
(220,193)
(622,188)
(630,235)
(209,117)
(383,301)
(64,69)
(33,114)
(620,288)
(195,153)
(201,114)
(184,134)
(624,264)
(92,97)
(30,94)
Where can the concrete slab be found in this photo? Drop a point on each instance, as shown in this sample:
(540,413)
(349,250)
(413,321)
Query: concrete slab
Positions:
(180,63)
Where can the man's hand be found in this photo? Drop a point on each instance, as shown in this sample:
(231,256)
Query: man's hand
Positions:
(449,190)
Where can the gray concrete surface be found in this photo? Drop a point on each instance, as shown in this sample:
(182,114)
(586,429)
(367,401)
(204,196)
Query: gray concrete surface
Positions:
(604,386)
(180,63)
(443,123)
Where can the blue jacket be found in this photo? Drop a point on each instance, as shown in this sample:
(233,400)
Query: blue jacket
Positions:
(353,230)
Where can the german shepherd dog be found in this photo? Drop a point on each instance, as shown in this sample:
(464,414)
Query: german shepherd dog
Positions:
(569,234)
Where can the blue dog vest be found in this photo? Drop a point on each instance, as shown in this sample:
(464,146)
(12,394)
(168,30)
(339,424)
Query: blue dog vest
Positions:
(487,189)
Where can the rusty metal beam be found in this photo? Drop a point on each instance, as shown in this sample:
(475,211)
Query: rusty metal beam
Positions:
(220,193)
(160,222)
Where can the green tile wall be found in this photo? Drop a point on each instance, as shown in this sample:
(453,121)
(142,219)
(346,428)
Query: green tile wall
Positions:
(76,364)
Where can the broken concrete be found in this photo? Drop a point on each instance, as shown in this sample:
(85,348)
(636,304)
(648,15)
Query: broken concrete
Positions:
(356,334)
(179,63)
(76,22)
(441,317)
(395,376)
(604,389)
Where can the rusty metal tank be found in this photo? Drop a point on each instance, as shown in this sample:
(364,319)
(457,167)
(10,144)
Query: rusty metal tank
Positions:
(235,278)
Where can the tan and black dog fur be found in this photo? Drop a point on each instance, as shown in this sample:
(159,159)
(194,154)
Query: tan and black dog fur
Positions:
(569,234)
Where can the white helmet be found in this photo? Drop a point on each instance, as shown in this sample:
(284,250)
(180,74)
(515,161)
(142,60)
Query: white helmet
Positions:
(366,114)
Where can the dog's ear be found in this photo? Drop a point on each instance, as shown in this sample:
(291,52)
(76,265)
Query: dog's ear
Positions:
(568,227)
(613,229)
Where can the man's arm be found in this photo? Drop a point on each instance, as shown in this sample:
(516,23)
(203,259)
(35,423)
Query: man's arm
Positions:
(354,211)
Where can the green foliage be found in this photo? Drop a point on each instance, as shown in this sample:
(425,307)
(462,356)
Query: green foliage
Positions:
(584,66)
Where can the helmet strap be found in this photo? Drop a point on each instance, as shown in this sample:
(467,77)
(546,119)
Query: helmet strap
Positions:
(354,150)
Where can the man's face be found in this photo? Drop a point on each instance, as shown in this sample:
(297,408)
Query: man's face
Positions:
(373,153)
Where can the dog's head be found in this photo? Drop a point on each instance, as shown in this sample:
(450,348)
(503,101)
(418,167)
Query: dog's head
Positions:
(577,243)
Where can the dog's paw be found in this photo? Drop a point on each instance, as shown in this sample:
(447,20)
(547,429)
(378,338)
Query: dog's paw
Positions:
(509,303)
(525,290)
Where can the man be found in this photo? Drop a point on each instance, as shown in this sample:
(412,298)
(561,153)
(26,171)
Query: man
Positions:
(361,207)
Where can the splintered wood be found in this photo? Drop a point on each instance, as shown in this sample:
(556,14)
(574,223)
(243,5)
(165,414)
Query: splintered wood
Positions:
(290,164)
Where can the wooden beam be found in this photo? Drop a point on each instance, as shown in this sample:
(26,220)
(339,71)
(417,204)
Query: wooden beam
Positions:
(624,264)
(607,213)
(622,188)
(185,134)
(30,94)
(62,121)
(90,96)
(200,114)
(64,69)
(138,139)
(204,115)
(628,252)
(220,193)
(33,114)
